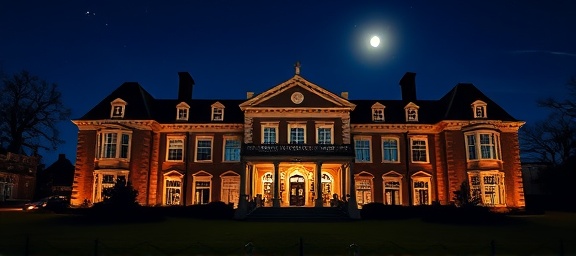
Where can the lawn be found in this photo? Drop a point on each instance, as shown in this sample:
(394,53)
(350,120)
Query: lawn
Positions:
(50,234)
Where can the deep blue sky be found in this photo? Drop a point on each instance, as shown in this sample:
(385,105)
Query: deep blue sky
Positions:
(515,51)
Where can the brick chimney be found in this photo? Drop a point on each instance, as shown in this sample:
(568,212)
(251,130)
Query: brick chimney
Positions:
(185,85)
(408,86)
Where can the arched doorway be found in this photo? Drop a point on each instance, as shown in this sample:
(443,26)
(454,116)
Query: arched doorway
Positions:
(297,188)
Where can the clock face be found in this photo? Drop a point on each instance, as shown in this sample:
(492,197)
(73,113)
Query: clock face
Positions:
(297,97)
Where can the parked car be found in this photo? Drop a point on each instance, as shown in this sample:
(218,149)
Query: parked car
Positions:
(48,203)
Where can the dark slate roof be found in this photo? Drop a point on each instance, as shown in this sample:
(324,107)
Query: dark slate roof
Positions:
(456,104)
(61,172)
(138,103)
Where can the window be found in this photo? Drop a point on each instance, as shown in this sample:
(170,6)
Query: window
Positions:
(411,112)
(230,192)
(182,111)
(363,186)
(479,109)
(217,112)
(270,133)
(173,188)
(231,149)
(421,188)
(204,149)
(392,188)
(419,149)
(390,150)
(113,144)
(483,145)
(362,148)
(175,148)
(324,133)
(488,186)
(297,133)
(118,108)
(378,112)
(106,179)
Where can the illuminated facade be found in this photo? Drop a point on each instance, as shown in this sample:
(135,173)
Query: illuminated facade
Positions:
(298,144)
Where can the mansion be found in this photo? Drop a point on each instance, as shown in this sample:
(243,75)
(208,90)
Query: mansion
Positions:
(299,145)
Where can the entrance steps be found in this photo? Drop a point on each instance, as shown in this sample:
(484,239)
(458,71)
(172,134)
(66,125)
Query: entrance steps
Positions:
(303,214)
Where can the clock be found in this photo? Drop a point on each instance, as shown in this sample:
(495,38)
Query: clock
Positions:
(297,97)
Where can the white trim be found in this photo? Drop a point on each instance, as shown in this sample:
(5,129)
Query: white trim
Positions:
(421,177)
(186,108)
(419,138)
(232,138)
(363,138)
(393,177)
(217,107)
(231,177)
(204,138)
(175,137)
(378,117)
(269,125)
(172,176)
(97,186)
(325,125)
(479,109)
(382,139)
(101,149)
(118,108)
(499,188)
(407,111)
(201,176)
(495,146)
(296,125)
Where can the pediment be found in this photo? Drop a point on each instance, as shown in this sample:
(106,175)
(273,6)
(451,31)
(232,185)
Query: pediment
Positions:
(297,92)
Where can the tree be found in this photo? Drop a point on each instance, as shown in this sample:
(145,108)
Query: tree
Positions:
(464,197)
(122,195)
(30,108)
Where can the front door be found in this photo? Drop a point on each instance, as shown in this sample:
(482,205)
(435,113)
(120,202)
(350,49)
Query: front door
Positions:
(297,193)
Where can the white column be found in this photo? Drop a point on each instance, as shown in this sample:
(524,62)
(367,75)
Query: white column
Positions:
(242,203)
(276,199)
(318,178)
(352,204)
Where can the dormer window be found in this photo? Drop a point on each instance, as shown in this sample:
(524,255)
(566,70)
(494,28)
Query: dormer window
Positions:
(479,109)
(118,108)
(217,112)
(411,112)
(182,111)
(378,112)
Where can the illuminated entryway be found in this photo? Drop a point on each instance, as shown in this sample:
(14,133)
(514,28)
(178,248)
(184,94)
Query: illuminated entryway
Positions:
(297,190)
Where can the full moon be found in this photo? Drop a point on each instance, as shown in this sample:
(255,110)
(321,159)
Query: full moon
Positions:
(375,41)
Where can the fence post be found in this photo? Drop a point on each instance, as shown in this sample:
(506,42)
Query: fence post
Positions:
(301,247)
(96,247)
(492,247)
(27,245)
(249,248)
(354,250)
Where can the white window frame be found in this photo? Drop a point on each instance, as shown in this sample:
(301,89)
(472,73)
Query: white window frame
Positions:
(229,179)
(269,125)
(494,145)
(118,105)
(201,176)
(225,139)
(367,195)
(184,108)
(98,187)
(392,176)
(479,105)
(385,138)
(204,138)
(296,126)
(427,149)
(324,126)
(101,142)
(363,138)
(217,109)
(173,176)
(411,106)
(480,188)
(427,179)
(378,112)
(182,148)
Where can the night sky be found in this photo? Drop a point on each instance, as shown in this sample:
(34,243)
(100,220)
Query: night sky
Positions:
(514,51)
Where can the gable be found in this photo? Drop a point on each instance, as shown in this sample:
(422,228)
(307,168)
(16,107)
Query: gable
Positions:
(297,92)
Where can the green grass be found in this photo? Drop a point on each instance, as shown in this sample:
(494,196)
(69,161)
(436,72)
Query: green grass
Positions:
(50,234)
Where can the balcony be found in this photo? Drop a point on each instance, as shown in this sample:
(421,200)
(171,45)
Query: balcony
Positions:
(342,150)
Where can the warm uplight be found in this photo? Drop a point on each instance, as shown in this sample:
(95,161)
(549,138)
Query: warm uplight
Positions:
(375,41)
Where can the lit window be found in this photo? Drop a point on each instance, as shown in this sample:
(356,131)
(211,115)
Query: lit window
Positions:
(419,150)
(483,145)
(217,112)
(363,186)
(182,111)
(175,148)
(392,188)
(378,112)
(390,150)
(104,180)
(479,109)
(230,188)
(421,188)
(204,149)
(324,133)
(362,148)
(173,188)
(231,149)
(113,144)
(270,133)
(411,112)
(488,186)
(118,108)
(297,133)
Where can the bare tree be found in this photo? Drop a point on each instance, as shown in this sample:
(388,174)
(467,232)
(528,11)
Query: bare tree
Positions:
(551,141)
(30,109)
(566,106)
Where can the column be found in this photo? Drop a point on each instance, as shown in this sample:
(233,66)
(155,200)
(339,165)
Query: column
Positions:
(352,204)
(318,178)
(343,182)
(242,203)
(276,199)
(251,181)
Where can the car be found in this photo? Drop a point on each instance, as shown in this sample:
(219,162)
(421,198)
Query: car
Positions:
(49,203)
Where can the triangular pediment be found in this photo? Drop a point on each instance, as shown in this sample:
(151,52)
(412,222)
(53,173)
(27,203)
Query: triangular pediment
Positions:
(297,92)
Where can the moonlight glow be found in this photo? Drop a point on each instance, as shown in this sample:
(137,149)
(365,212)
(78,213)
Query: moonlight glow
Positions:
(375,41)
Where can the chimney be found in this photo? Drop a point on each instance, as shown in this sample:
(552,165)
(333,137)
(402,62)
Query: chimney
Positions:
(249,95)
(185,85)
(408,86)
(344,95)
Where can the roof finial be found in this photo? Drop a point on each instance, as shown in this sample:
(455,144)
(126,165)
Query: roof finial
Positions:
(297,67)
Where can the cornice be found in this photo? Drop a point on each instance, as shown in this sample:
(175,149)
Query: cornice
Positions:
(150,125)
(211,127)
